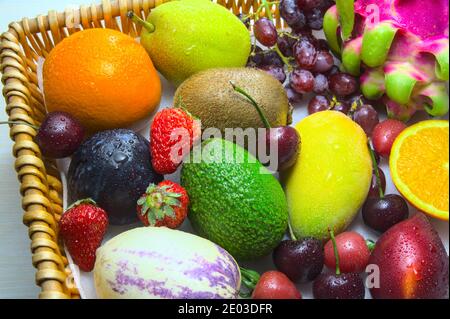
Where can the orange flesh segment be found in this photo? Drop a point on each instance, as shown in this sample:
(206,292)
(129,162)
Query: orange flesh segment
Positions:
(422,166)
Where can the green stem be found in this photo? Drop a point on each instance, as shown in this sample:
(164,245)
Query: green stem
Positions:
(286,61)
(336,254)
(265,4)
(291,232)
(254,103)
(249,278)
(370,244)
(20,123)
(375,169)
(147,25)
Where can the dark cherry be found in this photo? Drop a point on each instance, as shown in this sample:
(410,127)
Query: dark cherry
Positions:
(286,138)
(374,190)
(288,141)
(343,286)
(305,54)
(318,103)
(276,71)
(338,285)
(59,135)
(343,84)
(300,260)
(382,213)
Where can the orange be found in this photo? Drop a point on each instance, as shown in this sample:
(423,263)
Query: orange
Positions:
(419,166)
(103,78)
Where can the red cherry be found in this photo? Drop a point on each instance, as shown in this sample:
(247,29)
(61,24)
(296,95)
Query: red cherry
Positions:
(353,253)
(384,135)
(275,285)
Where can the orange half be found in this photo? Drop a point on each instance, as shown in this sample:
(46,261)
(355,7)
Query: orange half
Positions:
(419,166)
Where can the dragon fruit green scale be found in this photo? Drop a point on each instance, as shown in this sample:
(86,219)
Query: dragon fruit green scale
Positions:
(400,48)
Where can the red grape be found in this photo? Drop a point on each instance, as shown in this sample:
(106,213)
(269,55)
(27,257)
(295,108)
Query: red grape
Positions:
(367,117)
(305,54)
(352,250)
(317,104)
(293,96)
(285,44)
(320,84)
(384,135)
(276,71)
(265,32)
(324,62)
(290,13)
(343,84)
(302,81)
(315,19)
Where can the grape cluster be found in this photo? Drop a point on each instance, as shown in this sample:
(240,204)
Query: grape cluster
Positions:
(305,64)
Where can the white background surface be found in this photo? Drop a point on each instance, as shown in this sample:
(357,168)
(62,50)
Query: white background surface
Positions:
(16,271)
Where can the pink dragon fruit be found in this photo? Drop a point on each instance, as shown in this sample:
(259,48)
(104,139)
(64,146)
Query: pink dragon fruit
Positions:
(402,47)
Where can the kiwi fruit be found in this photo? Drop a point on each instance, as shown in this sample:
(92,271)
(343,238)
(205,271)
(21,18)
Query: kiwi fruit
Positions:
(209,96)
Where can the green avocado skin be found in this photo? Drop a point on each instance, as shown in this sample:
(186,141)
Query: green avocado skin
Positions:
(234,201)
(194,35)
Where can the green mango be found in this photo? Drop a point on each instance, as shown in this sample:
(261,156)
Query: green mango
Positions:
(187,36)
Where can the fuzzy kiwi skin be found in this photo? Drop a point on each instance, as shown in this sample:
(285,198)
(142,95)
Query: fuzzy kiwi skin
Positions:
(209,96)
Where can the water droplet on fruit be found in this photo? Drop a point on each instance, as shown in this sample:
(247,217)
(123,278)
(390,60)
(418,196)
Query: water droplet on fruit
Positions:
(120,157)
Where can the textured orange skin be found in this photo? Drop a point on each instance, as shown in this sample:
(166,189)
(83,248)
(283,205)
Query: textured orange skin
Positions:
(103,78)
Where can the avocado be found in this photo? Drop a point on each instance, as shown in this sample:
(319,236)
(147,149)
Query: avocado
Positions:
(234,200)
(114,169)
(209,96)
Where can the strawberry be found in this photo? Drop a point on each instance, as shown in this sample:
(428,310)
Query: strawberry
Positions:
(82,228)
(172,135)
(165,204)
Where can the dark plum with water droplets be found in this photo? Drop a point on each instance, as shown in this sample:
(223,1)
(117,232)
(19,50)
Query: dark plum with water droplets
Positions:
(59,135)
(114,169)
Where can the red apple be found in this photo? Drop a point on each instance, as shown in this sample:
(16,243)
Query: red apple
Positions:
(412,261)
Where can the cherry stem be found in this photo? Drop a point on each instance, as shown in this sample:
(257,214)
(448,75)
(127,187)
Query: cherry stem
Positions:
(147,25)
(375,169)
(254,103)
(336,254)
(20,123)
(291,232)
(249,279)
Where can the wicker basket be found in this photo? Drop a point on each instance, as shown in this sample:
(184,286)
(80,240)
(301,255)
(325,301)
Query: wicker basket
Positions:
(40,185)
